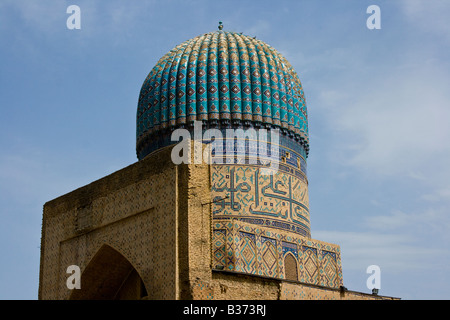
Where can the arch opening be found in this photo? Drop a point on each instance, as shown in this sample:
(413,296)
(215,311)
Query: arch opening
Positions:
(290,267)
(110,276)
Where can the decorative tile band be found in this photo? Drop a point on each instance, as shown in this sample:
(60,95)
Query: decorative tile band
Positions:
(242,247)
(279,201)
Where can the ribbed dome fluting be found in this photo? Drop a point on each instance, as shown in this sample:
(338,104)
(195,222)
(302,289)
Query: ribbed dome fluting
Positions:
(222,79)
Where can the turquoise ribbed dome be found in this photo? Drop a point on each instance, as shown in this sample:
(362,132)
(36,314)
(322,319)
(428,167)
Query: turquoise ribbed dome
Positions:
(224,79)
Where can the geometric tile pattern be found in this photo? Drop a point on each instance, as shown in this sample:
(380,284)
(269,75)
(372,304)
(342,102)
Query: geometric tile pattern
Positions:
(202,290)
(311,274)
(224,77)
(247,253)
(262,251)
(268,257)
(219,253)
(329,263)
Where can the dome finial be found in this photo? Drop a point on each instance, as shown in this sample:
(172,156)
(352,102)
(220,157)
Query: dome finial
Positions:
(220,25)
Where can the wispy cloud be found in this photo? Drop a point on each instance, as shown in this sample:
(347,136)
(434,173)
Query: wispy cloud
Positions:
(394,253)
(430,16)
(38,16)
(396,241)
(437,196)
(396,125)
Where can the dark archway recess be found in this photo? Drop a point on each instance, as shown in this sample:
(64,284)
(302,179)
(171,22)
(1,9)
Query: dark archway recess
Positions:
(109,276)
(290,267)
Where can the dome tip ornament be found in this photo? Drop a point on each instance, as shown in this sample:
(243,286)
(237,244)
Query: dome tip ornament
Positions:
(220,25)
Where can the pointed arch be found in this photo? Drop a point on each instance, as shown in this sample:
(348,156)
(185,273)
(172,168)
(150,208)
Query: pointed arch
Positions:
(290,267)
(109,276)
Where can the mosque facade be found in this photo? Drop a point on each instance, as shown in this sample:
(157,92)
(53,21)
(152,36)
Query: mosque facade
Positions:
(234,227)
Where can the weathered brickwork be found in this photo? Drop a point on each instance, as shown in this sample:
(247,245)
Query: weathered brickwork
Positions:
(148,232)
(237,286)
(132,211)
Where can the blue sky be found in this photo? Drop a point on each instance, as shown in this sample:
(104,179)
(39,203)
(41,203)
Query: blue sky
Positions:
(378,104)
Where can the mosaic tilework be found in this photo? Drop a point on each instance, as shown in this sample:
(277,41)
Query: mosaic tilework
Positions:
(219,252)
(310,272)
(246,256)
(290,158)
(202,290)
(268,257)
(221,77)
(242,192)
(262,251)
(329,265)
